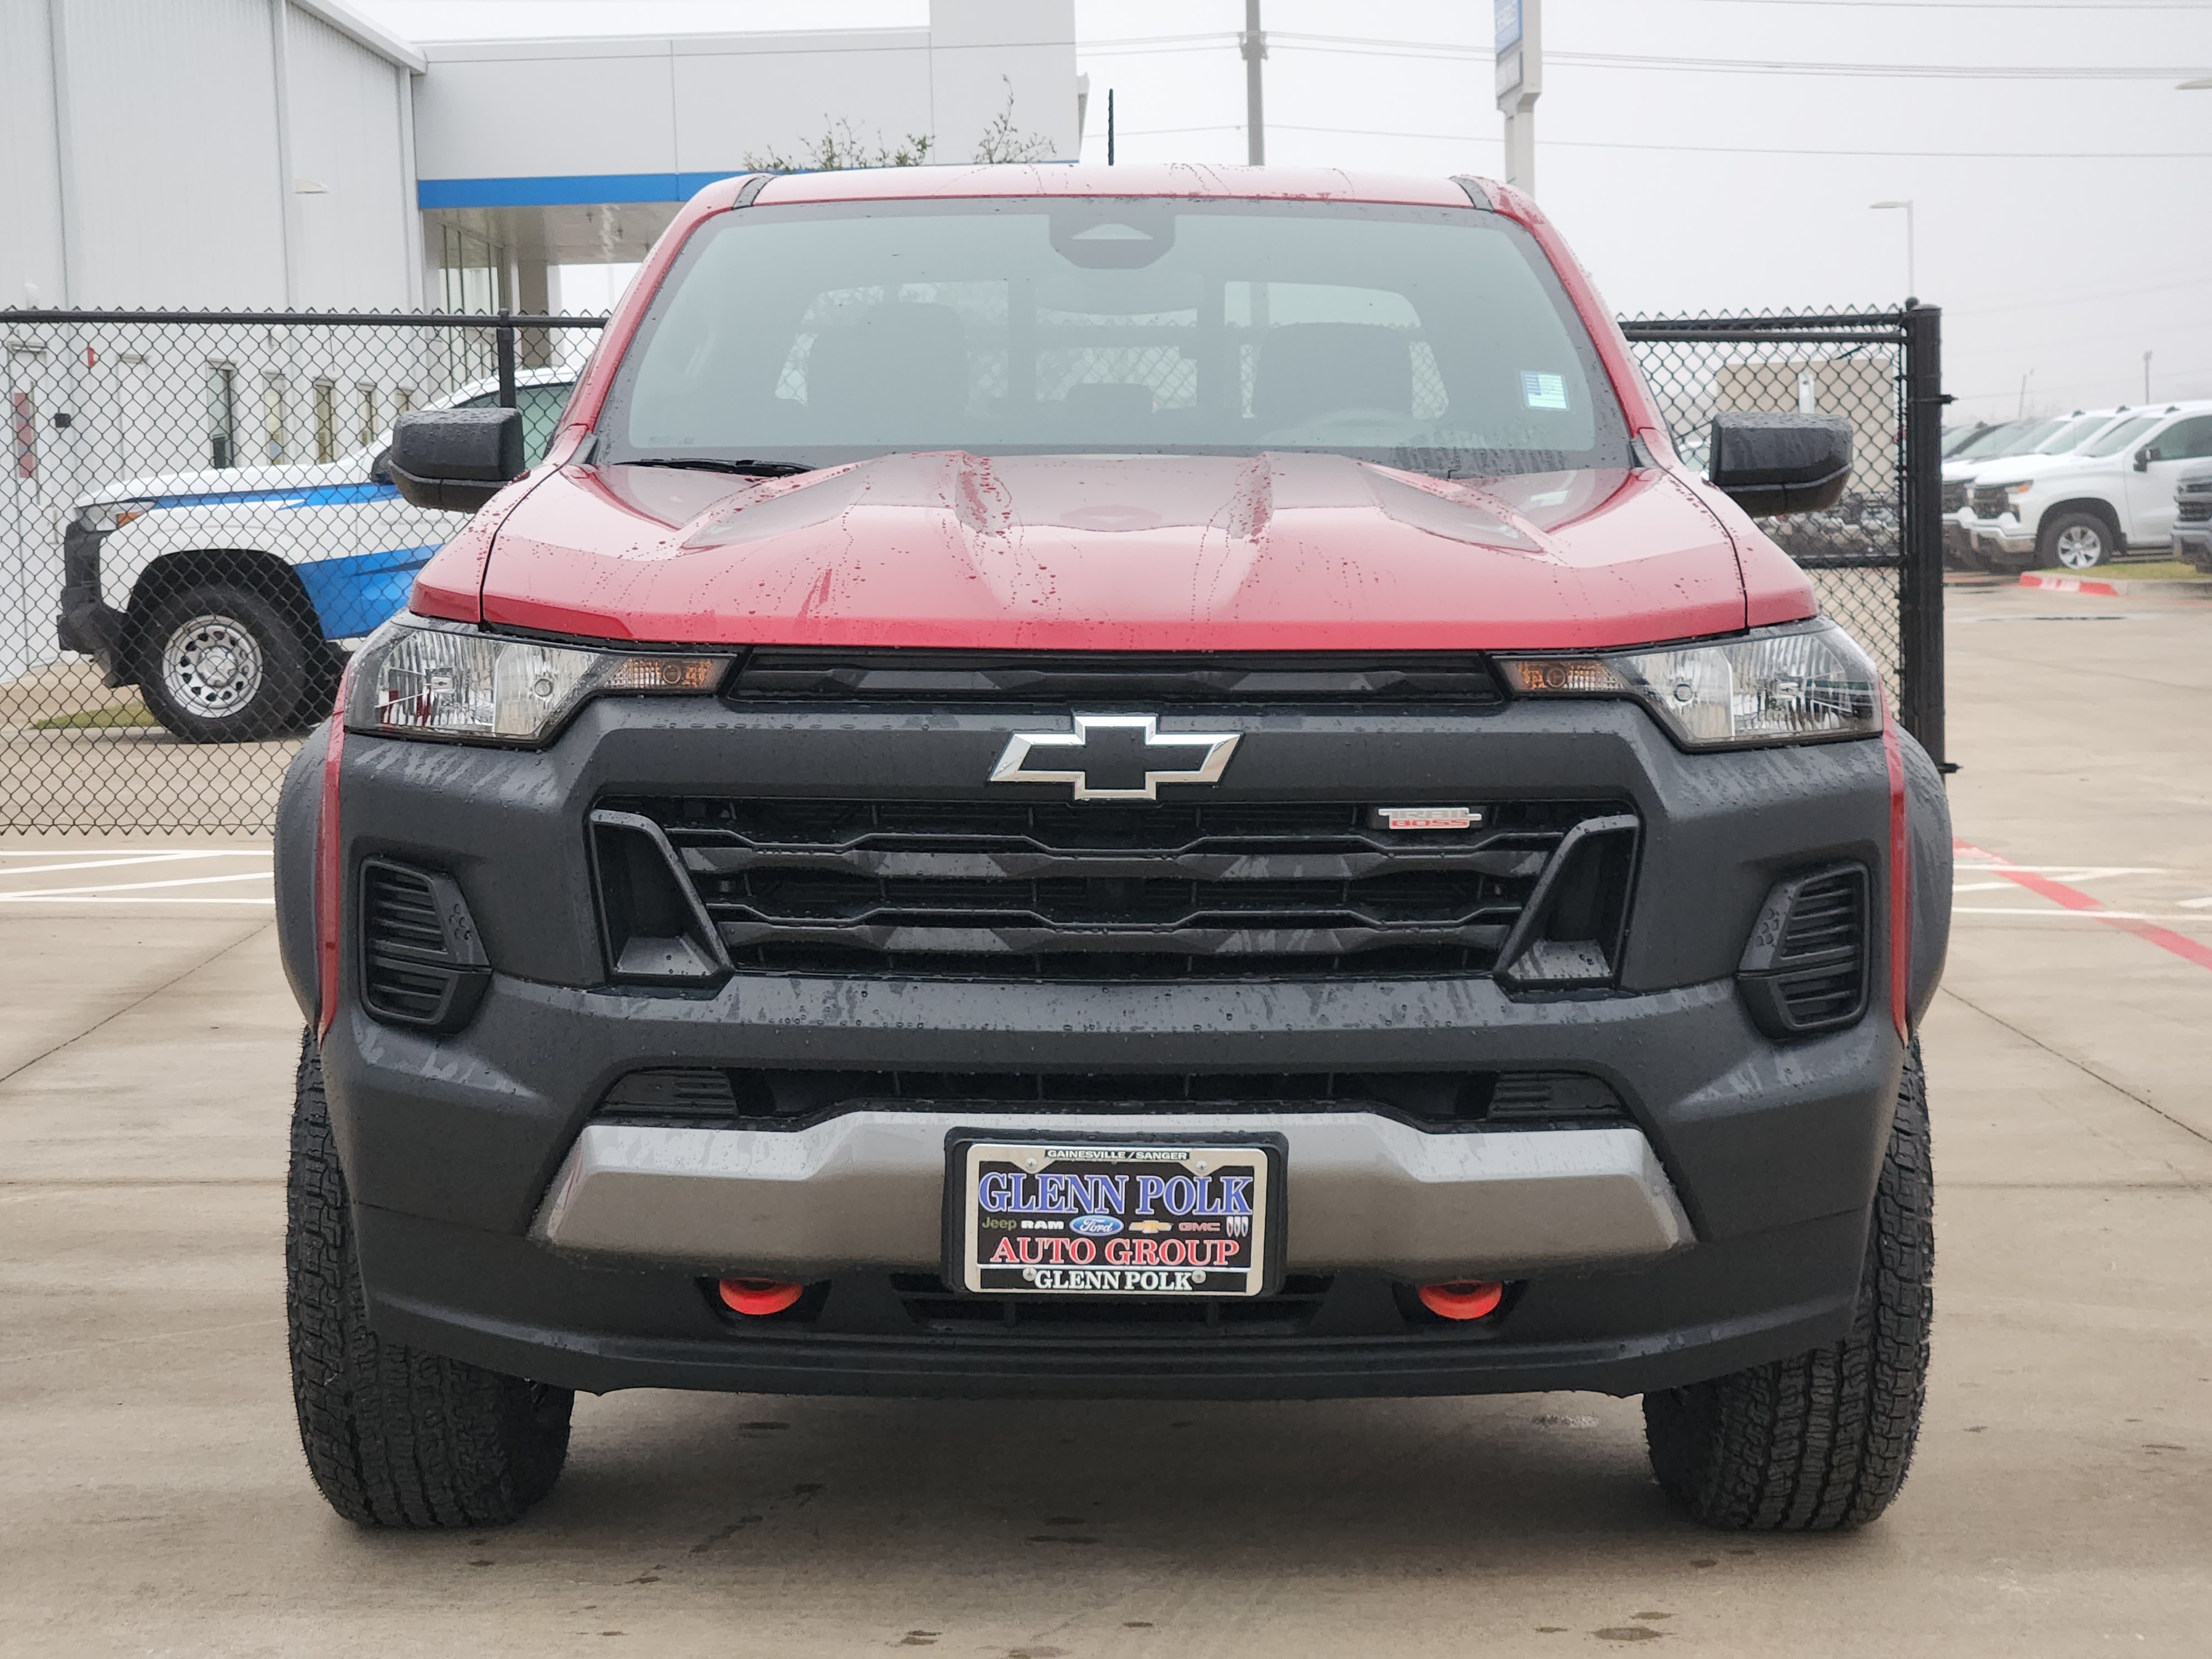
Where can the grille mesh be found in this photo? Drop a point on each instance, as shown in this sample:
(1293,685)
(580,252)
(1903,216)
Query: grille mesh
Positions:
(1091,890)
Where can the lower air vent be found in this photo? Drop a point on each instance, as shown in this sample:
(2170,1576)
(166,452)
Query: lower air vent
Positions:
(421,964)
(1805,969)
(790,1098)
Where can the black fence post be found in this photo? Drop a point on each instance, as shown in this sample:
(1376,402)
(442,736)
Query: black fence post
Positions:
(1920,575)
(504,350)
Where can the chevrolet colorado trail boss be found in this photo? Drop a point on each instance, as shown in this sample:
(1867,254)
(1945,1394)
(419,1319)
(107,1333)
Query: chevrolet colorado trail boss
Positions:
(1080,783)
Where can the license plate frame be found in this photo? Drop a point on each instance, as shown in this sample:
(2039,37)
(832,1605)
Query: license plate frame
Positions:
(1255,1270)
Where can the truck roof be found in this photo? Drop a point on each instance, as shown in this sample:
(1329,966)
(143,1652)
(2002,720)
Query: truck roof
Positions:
(1197,180)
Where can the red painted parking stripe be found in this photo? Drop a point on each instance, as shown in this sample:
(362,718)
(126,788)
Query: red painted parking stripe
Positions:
(2069,583)
(2074,898)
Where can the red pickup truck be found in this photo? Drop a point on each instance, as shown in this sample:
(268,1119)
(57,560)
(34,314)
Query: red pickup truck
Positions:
(1081,783)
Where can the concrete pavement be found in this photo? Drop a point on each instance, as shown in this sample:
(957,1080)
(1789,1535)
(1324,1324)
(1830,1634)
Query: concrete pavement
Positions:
(152,1498)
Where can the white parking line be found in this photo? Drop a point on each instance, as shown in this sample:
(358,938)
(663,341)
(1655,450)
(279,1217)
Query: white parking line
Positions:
(133,859)
(142,886)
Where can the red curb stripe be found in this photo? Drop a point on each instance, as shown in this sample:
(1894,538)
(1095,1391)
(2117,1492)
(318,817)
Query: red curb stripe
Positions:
(2074,898)
(2070,584)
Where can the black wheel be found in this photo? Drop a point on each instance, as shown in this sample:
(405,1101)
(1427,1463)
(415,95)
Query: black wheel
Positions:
(222,663)
(1821,1443)
(2079,541)
(395,1436)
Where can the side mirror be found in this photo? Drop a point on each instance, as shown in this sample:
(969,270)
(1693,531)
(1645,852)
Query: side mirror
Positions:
(1774,464)
(2144,457)
(456,460)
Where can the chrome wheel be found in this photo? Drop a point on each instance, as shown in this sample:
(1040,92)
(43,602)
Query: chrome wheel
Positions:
(211,667)
(2080,547)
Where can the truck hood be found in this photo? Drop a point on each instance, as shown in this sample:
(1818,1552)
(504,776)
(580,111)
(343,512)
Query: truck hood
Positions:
(1277,552)
(2039,466)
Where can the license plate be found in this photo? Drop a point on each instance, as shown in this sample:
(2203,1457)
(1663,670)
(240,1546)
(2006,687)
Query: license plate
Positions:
(1084,1216)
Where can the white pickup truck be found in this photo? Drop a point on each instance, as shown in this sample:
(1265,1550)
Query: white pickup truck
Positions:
(223,594)
(2082,508)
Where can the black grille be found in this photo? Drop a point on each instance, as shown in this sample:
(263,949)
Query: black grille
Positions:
(785,675)
(1954,495)
(1989,500)
(1097,890)
(421,964)
(735,1096)
(1806,967)
(2194,512)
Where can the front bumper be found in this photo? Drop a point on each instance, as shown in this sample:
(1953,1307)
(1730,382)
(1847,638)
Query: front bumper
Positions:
(866,1189)
(2192,543)
(500,1223)
(2000,535)
(86,624)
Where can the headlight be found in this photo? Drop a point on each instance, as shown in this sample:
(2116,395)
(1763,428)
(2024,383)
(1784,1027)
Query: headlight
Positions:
(1790,685)
(418,679)
(100,517)
(2015,490)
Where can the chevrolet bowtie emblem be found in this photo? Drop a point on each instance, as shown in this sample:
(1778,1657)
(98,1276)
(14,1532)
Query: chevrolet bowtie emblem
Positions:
(1115,758)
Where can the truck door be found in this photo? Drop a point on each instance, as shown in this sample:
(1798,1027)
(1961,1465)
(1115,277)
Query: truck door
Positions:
(2156,468)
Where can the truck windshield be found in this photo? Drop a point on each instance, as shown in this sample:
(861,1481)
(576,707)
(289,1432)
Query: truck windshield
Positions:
(2121,435)
(1995,441)
(2079,430)
(1431,339)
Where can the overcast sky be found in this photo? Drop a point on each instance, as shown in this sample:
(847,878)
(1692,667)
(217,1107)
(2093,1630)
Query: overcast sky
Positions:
(2062,221)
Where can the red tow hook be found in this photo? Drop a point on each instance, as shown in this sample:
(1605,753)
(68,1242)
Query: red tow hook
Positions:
(758,1297)
(1462,1298)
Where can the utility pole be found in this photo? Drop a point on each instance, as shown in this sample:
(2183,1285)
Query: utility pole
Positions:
(1255,42)
(2146,377)
(1109,126)
(1520,32)
(1911,279)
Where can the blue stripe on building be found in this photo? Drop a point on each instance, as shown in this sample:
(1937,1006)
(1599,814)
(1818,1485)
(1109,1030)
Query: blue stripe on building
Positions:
(572,190)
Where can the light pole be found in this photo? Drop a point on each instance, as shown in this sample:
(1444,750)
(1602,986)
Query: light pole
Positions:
(1255,43)
(1520,39)
(1911,281)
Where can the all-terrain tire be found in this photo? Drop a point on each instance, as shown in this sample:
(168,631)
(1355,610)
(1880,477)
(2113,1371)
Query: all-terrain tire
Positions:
(395,1436)
(1821,1443)
(2079,541)
(222,662)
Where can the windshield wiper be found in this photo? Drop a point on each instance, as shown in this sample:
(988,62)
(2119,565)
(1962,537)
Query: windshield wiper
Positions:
(707,463)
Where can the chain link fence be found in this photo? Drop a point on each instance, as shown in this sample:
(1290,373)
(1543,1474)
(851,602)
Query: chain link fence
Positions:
(197,524)
(1876,555)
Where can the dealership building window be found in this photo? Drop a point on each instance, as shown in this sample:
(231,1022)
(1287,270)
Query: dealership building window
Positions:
(367,393)
(273,418)
(222,415)
(327,420)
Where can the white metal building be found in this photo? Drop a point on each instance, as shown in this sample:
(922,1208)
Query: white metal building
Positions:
(228,154)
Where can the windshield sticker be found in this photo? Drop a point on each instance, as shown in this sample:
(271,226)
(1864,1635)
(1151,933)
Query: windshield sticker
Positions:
(1543,391)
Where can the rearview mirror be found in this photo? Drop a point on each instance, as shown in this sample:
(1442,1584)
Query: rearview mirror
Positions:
(1774,464)
(456,460)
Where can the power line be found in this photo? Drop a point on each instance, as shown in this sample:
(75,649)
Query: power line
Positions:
(1714,150)
(1908,71)
(1382,48)
(1376,47)
(2016,7)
